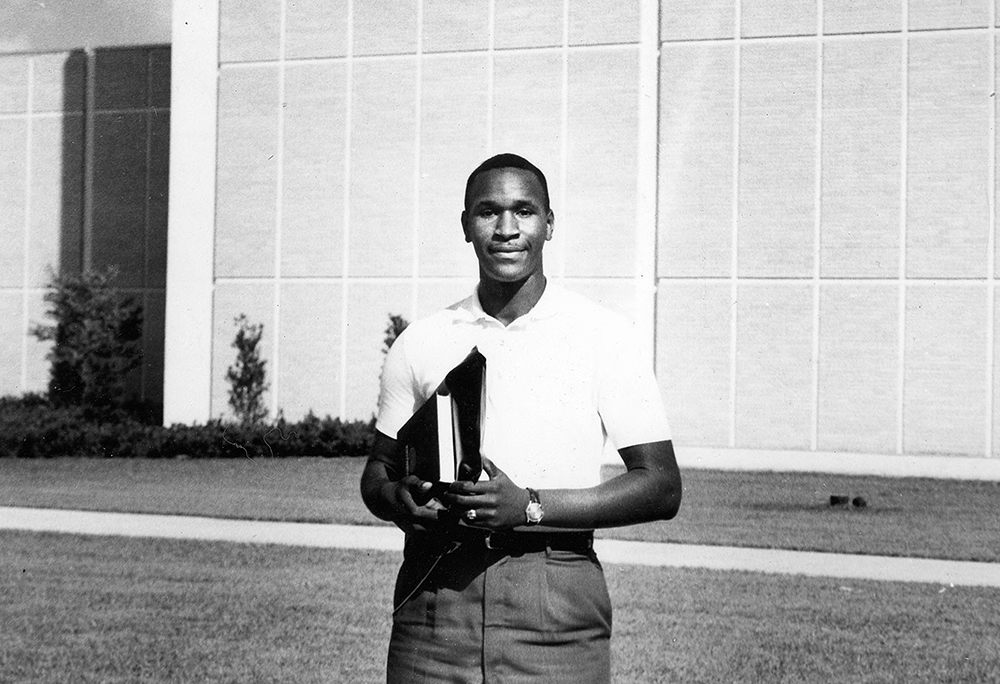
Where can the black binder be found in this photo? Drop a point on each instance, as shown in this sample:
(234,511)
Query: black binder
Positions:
(442,438)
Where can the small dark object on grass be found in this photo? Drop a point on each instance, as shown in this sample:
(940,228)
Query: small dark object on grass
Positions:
(839,500)
(859,502)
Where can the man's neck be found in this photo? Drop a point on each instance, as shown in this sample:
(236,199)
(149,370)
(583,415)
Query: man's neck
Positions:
(507,302)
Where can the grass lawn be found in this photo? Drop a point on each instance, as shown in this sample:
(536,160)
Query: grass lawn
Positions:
(296,489)
(101,609)
(904,516)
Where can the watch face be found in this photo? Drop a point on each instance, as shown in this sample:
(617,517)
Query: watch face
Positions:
(534,512)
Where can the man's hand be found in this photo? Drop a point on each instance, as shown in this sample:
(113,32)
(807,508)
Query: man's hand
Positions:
(649,489)
(408,501)
(416,510)
(498,503)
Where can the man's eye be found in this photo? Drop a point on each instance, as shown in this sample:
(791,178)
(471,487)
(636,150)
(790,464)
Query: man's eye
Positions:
(524,213)
(486,213)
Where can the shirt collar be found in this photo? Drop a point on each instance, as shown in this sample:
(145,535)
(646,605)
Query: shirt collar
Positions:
(546,306)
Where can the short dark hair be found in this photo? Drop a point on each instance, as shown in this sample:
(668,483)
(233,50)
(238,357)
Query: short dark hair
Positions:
(507,160)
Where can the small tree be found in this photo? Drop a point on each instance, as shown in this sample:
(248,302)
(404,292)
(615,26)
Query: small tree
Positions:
(247,383)
(97,335)
(397,324)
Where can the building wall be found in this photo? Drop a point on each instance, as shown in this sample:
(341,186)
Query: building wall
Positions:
(826,227)
(83,183)
(345,135)
(820,230)
(41,132)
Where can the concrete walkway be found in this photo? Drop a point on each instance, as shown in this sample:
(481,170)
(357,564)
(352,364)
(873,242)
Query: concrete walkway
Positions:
(385,538)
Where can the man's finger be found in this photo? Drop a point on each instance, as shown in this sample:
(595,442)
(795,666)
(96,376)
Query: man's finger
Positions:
(414,482)
(419,491)
(491,469)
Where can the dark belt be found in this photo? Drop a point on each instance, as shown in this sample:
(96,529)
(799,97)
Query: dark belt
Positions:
(516,543)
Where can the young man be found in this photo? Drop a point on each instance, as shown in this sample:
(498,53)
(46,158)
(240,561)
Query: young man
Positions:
(499,581)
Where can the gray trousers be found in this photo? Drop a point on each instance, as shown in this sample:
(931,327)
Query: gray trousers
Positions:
(487,616)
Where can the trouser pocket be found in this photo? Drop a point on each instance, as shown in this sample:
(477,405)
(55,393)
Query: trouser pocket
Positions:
(575,594)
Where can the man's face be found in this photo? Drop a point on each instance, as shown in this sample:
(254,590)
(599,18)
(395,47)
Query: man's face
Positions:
(508,222)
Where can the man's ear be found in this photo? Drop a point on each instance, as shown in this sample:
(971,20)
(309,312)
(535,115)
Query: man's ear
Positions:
(465,230)
(550,220)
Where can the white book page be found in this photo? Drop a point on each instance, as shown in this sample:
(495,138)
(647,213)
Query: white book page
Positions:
(446,439)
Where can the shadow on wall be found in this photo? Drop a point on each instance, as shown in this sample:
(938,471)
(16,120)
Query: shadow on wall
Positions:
(73,146)
(114,184)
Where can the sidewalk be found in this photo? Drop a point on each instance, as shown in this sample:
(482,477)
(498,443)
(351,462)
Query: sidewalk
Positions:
(385,538)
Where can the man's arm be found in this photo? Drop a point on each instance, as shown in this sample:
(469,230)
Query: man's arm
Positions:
(405,501)
(649,489)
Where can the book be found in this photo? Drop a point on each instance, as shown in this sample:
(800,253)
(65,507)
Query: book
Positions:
(443,437)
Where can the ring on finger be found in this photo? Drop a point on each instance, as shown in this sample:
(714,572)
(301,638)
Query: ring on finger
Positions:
(470,514)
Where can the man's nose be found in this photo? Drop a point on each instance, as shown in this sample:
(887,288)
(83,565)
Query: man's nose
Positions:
(506,225)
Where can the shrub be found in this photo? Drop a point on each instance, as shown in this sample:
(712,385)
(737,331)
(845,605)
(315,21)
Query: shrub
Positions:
(97,334)
(247,383)
(397,324)
(33,427)
(36,426)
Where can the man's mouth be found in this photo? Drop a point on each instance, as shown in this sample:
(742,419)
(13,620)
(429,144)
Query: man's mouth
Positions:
(506,249)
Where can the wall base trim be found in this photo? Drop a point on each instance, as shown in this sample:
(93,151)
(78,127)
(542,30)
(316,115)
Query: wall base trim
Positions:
(943,467)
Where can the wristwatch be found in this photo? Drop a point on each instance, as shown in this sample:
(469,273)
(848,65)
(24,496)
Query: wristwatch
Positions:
(533,513)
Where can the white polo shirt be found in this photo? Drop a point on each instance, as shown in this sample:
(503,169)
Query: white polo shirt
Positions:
(560,381)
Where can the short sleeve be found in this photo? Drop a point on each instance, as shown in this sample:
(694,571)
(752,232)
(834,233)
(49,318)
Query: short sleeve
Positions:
(396,397)
(629,400)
